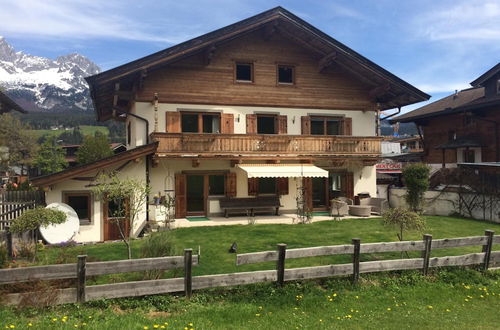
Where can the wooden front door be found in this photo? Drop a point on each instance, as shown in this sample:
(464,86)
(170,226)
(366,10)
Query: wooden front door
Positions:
(114,215)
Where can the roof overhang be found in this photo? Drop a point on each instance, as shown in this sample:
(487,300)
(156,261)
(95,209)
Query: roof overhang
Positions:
(283,171)
(7,104)
(70,173)
(390,91)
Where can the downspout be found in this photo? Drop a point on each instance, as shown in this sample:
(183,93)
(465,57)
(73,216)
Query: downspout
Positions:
(148,157)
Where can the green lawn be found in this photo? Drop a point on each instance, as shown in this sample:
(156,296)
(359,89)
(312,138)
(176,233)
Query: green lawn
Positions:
(448,298)
(84,129)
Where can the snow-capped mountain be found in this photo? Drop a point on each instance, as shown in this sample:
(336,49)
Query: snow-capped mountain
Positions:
(42,84)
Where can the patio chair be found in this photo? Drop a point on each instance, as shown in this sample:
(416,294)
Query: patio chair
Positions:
(338,208)
(378,205)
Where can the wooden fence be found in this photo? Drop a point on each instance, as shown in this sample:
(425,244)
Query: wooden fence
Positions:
(14,203)
(81,269)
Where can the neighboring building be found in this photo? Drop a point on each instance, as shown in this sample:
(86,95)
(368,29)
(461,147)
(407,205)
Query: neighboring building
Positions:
(261,107)
(71,149)
(462,127)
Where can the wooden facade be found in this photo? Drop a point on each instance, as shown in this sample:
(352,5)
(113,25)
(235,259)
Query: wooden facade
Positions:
(191,81)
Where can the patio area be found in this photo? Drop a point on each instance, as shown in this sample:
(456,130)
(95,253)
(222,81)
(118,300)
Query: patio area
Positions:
(287,218)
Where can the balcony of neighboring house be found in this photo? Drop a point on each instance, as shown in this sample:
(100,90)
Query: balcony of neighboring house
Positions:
(187,145)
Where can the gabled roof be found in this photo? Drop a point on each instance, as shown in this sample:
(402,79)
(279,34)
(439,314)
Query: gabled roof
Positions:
(485,76)
(397,92)
(72,172)
(447,104)
(7,104)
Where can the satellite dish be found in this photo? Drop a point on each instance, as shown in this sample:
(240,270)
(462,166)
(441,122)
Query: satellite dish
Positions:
(63,232)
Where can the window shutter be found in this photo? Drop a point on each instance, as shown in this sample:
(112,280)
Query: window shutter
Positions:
(180,195)
(347,126)
(227,123)
(282,125)
(251,124)
(282,184)
(348,185)
(253,186)
(231,184)
(306,124)
(307,190)
(173,121)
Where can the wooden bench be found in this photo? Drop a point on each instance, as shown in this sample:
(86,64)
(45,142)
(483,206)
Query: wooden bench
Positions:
(250,205)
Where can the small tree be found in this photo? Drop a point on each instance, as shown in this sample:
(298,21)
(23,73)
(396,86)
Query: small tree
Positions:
(93,148)
(129,195)
(34,219)
(404,220)
(416,179)
(50,157)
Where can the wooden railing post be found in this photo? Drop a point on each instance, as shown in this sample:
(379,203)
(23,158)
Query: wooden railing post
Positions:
(9,243)
(355,260)
(81,278)
(188,275)
(280,264)
(426,253)
(487,248)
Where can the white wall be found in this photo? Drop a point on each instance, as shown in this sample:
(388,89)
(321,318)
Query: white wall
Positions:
(363,123)
(94,231)
(440,203)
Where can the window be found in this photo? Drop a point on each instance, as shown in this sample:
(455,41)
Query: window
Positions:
(266,124)
(244,72)
(80,202)
(267,186)
(286,74)
(216,185)
(200,122)
(469,156)
(325,126)
(452,136)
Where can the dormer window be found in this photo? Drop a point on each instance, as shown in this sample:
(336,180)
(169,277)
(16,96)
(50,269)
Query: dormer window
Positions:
(244,72)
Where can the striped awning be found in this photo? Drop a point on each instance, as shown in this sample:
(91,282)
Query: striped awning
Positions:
(283,171)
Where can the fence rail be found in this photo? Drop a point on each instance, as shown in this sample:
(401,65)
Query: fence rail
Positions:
(81,269)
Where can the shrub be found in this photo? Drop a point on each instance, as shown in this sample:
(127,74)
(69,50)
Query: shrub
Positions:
(403,220)
(38,217)
(156,245)
(416,179)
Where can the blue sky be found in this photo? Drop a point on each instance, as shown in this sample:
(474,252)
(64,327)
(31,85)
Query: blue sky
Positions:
(438,46)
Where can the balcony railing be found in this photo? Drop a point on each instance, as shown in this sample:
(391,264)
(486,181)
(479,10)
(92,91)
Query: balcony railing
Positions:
(241,145)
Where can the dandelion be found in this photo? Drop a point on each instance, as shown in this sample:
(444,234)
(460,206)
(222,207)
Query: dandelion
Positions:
(466,299)
(349,316)
(448,310)
(334,295)
(30,324)
(54,319)
(481,296)
(90,316)
(429,307)
(357,297)
(330,299)
(146,327)
(84,323)
(75,325)
(12,326)
(338,317)
(162,327)
(388,308)
(156,326)
(258,314)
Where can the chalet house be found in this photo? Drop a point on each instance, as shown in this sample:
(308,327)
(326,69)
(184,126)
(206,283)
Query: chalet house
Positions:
(261,107)
(462,127)
(70,151)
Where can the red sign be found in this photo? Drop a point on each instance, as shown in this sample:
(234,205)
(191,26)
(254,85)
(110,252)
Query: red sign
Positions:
(389,167)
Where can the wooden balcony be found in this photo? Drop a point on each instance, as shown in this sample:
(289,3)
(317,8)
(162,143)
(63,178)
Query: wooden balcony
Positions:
(188,145)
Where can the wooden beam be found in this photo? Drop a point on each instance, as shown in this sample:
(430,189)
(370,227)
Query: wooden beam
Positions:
(370,162)
(209,54)
(379,91)
(326,61)
(142,75)
(234,162)
(124,95)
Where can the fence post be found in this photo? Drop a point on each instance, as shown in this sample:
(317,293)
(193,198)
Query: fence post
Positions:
(81,270)
(426,254)
(280,264)
(355,260)
(9,243)
(188,276)
(487,248)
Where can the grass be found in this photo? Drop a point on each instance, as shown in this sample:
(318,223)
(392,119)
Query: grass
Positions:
(454,298)
(84,129)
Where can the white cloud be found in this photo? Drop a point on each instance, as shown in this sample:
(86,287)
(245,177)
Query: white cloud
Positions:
(77,19)
(462,19)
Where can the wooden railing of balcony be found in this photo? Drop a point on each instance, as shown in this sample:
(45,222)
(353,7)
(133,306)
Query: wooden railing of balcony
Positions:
(238,145)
